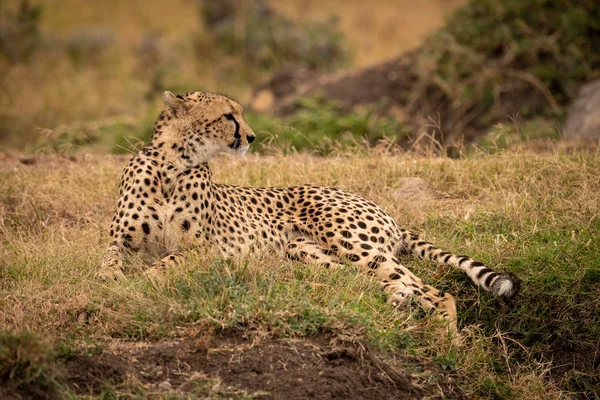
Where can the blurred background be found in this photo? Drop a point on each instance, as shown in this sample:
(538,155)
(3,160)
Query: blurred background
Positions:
(314,75)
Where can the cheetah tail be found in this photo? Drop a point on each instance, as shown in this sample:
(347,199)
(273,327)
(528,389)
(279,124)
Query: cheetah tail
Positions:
(503,284)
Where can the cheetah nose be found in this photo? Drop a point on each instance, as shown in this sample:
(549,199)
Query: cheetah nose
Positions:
(250,138)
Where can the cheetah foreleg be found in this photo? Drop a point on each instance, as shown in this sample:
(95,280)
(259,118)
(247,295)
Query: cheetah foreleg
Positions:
(310,252)
(112,265)
(159,267)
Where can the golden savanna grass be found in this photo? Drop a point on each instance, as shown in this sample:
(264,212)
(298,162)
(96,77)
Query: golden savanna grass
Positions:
(504,209)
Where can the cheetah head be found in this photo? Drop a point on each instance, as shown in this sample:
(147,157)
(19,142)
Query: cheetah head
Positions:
(207,124)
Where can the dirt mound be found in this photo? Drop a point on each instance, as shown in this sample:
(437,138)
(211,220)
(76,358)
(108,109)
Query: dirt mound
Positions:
(393,88)
(291,369)
(387,83)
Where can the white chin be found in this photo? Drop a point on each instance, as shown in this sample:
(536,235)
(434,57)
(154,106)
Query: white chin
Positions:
(243,150)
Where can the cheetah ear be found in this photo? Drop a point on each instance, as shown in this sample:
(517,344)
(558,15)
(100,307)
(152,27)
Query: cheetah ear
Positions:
(172,101)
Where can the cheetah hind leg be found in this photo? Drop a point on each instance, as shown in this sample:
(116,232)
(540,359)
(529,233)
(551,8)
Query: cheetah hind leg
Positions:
(157,271)
(441,305)
(402,285)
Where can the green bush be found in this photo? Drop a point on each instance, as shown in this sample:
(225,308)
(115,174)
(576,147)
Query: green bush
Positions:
(20,32)
(494,59)
(267,40)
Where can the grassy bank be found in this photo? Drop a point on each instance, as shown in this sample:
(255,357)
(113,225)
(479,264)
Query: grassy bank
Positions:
(535,215)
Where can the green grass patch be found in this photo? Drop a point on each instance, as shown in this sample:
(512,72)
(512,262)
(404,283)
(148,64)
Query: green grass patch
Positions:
(319,126)
(557,311)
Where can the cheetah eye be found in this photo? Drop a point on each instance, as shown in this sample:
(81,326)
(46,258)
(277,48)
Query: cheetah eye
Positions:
(229,116)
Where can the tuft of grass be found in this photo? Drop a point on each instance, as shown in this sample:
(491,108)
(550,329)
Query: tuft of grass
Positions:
(25,367)
(504,136)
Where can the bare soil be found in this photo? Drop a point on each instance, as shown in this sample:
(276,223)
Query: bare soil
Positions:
(274,369)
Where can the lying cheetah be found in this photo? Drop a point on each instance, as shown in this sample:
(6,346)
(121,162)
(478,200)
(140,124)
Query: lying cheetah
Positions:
(169,203)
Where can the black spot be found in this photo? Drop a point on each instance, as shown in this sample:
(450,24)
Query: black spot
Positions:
(346,244)
(362,225)
(146,228)
(373,265)
(490,278)
(185,225)
(482,272)
(353,257)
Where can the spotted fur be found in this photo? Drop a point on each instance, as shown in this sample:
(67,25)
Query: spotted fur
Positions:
(169,203)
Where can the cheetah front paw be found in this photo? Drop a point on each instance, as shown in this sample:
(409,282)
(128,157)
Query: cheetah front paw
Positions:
(155,273)
(109,274)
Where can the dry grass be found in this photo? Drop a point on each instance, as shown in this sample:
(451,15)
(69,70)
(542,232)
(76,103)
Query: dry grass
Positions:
(536,215)
(376,30)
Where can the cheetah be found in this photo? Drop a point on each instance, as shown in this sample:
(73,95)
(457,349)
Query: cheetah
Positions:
(168,204)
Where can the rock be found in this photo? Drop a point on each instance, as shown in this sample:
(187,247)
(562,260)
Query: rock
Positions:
(583,119)
(165,386)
